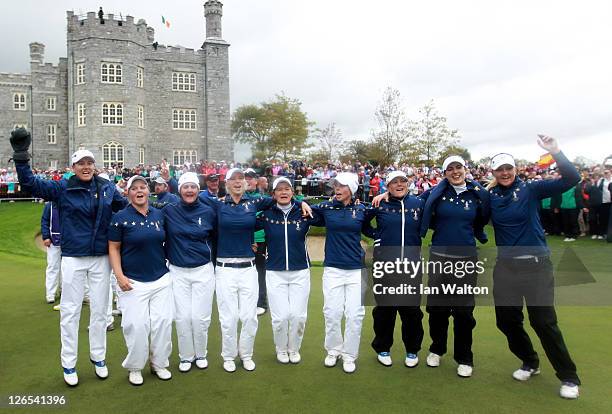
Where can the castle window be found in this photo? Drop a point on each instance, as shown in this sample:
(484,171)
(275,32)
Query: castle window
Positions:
(19,101)
(52,134)
(184,119)
(80,74)
(184,81)
(51,103)
(180,157)
(112,113)
(81,115)
(139,77)
(140,116)
(111,73)
(141,159)
(112,154)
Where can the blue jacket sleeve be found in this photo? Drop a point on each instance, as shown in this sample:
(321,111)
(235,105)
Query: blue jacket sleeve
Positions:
(366,228)
(47,189)
(44,222)
(119,202)
(318,219)
(569,178)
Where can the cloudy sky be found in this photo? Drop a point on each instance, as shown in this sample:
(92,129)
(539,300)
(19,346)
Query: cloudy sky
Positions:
(501,71)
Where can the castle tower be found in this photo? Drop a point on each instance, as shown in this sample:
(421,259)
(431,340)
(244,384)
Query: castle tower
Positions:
(220,145)
(213,11)
(37,52)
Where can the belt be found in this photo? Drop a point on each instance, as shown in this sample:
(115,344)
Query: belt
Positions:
(239,265)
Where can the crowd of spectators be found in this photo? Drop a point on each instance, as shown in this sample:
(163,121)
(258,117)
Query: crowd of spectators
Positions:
(591,207)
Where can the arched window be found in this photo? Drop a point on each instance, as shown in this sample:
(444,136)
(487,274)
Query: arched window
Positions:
(184,119)
(112,153)
(111,73)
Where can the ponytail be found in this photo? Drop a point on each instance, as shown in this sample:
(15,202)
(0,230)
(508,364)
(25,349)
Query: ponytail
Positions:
(491,183)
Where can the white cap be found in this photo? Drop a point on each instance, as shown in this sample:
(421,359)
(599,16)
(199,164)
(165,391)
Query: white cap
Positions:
(395,174)
(189,177)
(135,178)
(233,171)
(502,159)
(104,175)
(160,180)
(350,179)
(453,158)
(281,180)
(80,154)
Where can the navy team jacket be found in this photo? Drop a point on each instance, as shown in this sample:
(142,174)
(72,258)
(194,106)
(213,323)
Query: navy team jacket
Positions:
(190,231)
(457,219)
(514,211)
(397,229)
(86,207)
(50,224)
(286,237)
(344,225)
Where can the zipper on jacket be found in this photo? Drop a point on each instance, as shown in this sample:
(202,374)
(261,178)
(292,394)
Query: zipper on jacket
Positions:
(403,225)
(286,243)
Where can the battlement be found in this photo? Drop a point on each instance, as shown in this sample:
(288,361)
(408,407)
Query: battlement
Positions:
(109,26)
(177,53)
(15,78)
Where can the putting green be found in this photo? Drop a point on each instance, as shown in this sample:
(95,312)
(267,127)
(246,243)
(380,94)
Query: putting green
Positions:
(30,365)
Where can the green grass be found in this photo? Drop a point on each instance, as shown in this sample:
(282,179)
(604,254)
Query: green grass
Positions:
(29,359)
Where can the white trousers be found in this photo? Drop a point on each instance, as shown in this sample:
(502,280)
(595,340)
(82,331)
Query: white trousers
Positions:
(288,293)
(193,290)
(237,293)
(76,273)
(342,295)
(52,274)
(147,311)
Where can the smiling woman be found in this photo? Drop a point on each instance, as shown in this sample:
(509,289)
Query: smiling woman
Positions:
(136,249)
(87,203)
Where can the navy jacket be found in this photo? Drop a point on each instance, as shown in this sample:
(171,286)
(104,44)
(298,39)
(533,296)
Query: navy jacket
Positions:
(190,231)
(286,238)
(343,237)
(50,223)
(236,223)
(167,197)
(514,211)
(456,219)
(86,207)
(397,229)
(142,243)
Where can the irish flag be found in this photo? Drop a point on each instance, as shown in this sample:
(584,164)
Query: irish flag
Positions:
(546,160)
(166,22)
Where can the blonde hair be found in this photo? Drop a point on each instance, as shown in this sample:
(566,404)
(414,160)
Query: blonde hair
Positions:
(491,183)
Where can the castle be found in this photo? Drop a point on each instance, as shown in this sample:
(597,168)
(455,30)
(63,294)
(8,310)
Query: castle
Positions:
(121,95)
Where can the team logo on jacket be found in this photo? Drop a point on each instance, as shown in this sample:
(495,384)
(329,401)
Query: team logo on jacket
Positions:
(199,221)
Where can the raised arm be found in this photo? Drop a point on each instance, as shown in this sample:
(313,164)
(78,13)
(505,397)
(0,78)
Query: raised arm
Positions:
(569,174)
(49,190)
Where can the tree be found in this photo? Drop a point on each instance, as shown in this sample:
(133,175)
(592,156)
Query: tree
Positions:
(329,141)
(359,150)
(454,150)
(392,127)
(275,129)
(251,124)
(430,135)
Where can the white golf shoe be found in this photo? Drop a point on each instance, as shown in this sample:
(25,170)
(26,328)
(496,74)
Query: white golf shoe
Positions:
(464,371)
(201,363)
(248,364)
(524,373)
(330,360)
(70,377)
(101,369)
(569,390)
(135,378)
(229,366)
(433,360)
(282,357)
(295,357)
